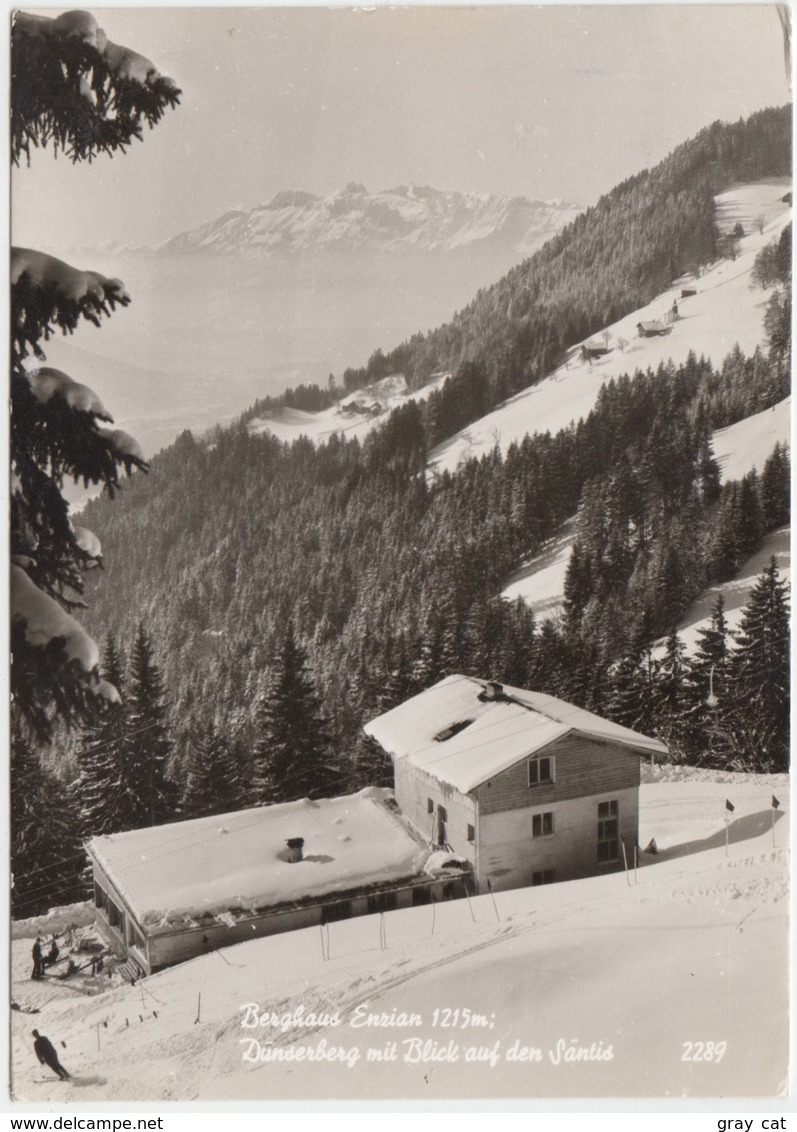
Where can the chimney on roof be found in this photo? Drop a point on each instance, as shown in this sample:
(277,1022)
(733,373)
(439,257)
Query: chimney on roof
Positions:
(492,691)
(295,849)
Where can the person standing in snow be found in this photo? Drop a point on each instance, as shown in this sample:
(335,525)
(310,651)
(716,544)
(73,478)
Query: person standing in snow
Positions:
(46,1053)
(52,955)
(38,965)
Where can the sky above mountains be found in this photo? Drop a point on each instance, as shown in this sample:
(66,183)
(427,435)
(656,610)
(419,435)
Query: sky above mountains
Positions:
(544,102)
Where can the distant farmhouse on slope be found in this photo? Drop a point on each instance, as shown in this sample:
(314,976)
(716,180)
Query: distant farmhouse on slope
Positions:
(171,892)
(496,788)
(527,788)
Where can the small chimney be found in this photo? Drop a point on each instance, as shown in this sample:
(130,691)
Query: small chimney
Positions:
(295,848)
(492,691)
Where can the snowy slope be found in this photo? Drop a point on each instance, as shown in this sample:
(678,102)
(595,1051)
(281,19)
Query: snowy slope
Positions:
(737,591)
(747,444)
(355,416)
(725,310)
(695,950)
(726,304)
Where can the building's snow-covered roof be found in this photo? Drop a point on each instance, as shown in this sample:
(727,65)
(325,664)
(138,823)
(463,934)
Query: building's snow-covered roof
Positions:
(499,732)
(171,873)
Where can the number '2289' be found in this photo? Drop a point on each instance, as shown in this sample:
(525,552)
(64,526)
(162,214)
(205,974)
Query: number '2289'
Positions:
(704,1051)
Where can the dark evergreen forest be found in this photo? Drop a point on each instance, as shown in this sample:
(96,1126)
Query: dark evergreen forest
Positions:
(255,591)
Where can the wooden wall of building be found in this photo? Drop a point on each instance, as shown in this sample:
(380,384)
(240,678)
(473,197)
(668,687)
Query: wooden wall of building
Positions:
(415,790)
(583,767)
(510,855)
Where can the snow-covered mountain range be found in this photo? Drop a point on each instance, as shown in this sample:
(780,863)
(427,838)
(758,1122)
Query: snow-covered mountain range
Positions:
(406,218)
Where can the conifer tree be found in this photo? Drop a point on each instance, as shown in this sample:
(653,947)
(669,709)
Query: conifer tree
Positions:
(759,723)
(212,781)
(670,705)
(707,691)
(74,90)
(46,854)
(292,754)
(774,488)
(149,743)
(750,528)
(98,793)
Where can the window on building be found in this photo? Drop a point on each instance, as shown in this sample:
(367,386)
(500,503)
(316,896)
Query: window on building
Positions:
(471,833)
(116,917)
(100,896)
(452,730)
(542,825)
(442,818)
(382,902)
(134,936)
(545,876)
(541,771)
(340,910)
(608,831)
(429,806)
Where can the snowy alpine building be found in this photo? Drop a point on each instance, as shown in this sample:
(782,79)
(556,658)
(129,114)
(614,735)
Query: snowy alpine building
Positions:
(168,893)
(529,789)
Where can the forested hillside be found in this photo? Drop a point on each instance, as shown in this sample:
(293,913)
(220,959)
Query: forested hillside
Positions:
(391,581)
(267,589)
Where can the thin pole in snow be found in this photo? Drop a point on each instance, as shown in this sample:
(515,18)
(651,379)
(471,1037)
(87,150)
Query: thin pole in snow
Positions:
(198,1007)
(323,949)
(495,906)
(382,932)
(467,895)
(625,862)
(98,1035)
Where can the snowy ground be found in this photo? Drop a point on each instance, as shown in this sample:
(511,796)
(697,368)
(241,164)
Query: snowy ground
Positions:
(748,444)
(641,972)
(725,302)
(356,416)
(737,591)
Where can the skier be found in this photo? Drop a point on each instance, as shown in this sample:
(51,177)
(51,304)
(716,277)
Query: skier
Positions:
(45,1051)
(38,965)
(52,955)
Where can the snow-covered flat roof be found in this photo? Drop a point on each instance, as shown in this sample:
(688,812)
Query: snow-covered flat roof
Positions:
(489,735)
(169,873)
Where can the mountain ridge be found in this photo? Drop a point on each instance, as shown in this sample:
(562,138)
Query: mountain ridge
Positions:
(405,218)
